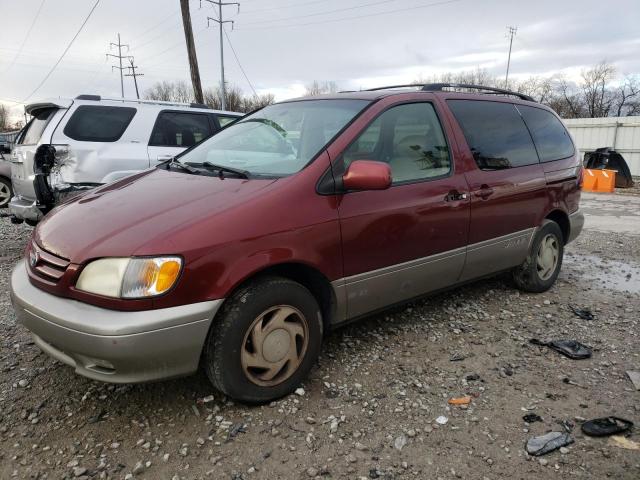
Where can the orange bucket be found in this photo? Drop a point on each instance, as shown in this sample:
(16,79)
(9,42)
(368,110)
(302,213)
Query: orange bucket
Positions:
(596,180)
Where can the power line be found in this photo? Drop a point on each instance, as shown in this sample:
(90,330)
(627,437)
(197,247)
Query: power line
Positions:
(26,37)
(291,5)
(387,12)
(239,64)
(512,33)
(296,17)
(133,74)
(221,23)
(63,53)
(119,57)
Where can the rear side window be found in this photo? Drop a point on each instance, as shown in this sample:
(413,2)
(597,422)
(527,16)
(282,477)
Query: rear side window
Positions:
(36,126)
(551,138)
(91,123)
(495,133)
(175,129)
(223,120)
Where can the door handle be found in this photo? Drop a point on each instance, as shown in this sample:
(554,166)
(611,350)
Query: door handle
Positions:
(165,157)
(455,196)
(485,192)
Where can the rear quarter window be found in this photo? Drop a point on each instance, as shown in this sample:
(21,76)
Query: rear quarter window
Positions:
(98,123)
(223,120)
(495,133)
(551,138)
(33,131)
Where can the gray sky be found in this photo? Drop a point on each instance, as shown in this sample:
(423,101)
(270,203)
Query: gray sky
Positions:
(285,44)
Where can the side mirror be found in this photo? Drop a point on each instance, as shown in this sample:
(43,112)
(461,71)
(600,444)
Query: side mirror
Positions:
(367,175)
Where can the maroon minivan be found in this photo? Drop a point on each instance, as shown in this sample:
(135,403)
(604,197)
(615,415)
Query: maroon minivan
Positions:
(306,214)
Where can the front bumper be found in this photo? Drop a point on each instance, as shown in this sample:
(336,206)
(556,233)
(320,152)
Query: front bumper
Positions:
(109,345)
(576,223)
(25,209)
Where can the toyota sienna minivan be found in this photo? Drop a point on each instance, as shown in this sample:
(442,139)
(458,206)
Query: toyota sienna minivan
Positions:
(239,255)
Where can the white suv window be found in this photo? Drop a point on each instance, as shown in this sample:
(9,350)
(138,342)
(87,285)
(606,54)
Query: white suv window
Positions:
(36,126)
(176,129)
(91,123)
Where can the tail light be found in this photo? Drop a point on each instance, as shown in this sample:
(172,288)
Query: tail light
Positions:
(580,177)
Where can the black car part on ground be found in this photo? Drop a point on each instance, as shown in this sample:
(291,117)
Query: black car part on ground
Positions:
(602,427)
(609,159)
(568,348)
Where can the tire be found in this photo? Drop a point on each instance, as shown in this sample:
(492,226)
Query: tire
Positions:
(6,192)
(283,319)
(540,270)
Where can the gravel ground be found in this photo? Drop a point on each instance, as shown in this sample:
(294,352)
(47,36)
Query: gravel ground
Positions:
(369,408)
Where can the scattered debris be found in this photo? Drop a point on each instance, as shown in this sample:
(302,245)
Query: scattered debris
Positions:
(457,357)
(400,442)
(299,392)
(583,313)
(442,420)
(602,427)
(235,429)
(549,442)
(460,401)
(635,378)
(569,348)
(622,442)
(532,417)
(207,399)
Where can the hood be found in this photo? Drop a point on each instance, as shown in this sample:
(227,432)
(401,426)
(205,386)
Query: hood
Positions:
(141,214)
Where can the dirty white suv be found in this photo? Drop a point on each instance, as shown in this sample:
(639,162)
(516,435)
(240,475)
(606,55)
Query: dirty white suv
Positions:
(72,145)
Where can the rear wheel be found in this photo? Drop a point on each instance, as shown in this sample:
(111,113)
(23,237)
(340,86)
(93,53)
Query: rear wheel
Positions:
(6,192)
(540,270)
(265,340)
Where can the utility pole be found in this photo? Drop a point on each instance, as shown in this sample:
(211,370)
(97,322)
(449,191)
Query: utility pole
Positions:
(133,74)
(512,33)
(221,22)
(191,51)
(119,57)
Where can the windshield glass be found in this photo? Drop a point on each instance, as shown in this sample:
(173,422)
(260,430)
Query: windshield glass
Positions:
(279,139)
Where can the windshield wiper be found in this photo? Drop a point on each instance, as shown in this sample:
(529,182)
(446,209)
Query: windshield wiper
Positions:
(222,168)
(172,162)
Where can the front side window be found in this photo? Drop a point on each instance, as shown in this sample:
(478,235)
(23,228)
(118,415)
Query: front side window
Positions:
(175,129)
(278,140)
(495,133)
(98,123)
(33,131)
(409,138)
(551,138)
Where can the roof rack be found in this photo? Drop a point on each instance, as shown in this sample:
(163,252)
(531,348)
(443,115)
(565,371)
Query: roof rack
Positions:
(97,98)
(439,87)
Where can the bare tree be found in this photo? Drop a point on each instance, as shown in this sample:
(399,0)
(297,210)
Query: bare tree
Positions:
(180,91)
(597,97)
(4,118)
(319,88)
(627,97)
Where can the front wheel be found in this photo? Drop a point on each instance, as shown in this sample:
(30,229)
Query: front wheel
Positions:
(540,270)
(265,340)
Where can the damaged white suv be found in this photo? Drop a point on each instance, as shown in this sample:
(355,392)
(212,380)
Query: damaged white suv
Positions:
(72,145)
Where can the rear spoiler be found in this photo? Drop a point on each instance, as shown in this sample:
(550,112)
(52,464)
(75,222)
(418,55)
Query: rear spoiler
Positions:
(51,103)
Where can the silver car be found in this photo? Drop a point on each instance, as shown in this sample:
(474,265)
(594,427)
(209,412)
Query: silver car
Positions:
(72,145)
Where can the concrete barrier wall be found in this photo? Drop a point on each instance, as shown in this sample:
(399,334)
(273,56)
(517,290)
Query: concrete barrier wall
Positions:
(620,133)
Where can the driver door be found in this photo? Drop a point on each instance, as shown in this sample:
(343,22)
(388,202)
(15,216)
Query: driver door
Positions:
(410,239)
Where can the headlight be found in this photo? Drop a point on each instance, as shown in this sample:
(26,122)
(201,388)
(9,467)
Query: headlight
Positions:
(130,277)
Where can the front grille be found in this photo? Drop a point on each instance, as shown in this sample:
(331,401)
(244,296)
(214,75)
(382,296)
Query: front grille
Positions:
(45,264)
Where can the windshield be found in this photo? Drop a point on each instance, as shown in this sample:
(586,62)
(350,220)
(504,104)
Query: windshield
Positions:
(279,139)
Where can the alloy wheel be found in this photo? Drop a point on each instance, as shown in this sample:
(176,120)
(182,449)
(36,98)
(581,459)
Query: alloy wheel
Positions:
(5,194)
(274,345)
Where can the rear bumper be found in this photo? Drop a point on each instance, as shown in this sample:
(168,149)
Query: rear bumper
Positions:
(576,223)
(109,345)
(25,209)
